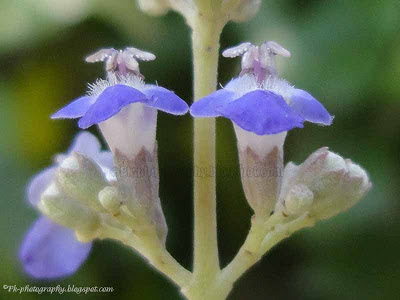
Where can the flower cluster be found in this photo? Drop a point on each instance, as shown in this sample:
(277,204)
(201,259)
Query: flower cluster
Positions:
(86,189)
(88,193)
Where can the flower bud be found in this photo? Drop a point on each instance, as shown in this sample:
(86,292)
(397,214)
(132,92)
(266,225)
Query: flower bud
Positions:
(154,7)
(298,200)
(246,10)
(332,183)
(82,179)
(108,197)
(67,212)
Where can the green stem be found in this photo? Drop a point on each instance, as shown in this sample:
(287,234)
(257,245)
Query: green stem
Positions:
(262,237)
(205,39)
(150,247)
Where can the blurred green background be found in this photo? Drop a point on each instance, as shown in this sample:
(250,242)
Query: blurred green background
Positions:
(346,53)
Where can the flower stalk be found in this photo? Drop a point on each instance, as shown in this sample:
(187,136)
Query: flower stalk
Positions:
(205,40)
(151,247)
(263,235)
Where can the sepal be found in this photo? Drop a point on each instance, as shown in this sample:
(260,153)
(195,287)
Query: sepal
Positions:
(261,178)
(138,184)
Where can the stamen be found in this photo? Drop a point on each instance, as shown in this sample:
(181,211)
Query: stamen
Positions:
(258,60)
(123,62)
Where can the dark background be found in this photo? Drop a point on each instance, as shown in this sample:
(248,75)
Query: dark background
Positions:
(346,53)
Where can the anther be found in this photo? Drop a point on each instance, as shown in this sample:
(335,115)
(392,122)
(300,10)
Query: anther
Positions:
(121,61)
(258,60)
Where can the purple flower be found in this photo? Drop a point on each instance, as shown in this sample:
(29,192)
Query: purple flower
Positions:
(270,107)
(262,106)
(124,107)
(50,250)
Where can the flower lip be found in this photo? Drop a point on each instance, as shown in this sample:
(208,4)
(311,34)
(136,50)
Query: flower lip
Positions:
(165,100)
(310,108)
(75,109)
(52,251)
(208,106)
(109,97)
(109,103)
(261,112)
(270,107)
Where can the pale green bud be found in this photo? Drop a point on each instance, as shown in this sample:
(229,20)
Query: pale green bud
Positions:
(82,179)
(109,198)
(335,184)
(298,200)
(64,211)
(289,177)
(154,7)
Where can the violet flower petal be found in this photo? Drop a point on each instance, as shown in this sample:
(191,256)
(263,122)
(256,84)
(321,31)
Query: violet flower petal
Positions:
(207,106)
(166,100)
(51,251)
(38,184)
(262,112)
(310,108)
(75,109)
(109,103)
(88,144)
(105,159)
(85,143)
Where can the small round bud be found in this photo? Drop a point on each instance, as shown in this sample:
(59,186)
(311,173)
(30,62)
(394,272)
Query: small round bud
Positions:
(335,184)
(64,211)
(299,199)
(154,7)
(70,163)
(81,179)
(108,197)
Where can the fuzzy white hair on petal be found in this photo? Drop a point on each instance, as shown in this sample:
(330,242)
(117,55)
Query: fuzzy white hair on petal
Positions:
(248,83)
(96,88)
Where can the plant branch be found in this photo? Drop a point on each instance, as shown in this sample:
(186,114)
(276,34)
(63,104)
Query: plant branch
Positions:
(262,237)
(205,41)
(150,247)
